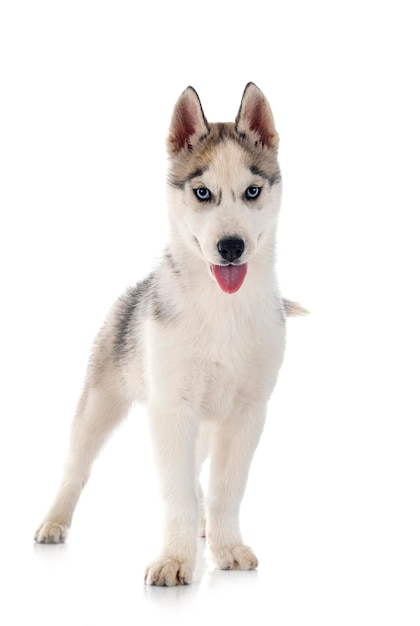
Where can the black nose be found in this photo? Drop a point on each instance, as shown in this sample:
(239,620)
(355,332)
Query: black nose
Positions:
(231,249)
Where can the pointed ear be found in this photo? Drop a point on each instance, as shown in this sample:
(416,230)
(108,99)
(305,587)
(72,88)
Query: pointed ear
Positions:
(188,123)
(255,119)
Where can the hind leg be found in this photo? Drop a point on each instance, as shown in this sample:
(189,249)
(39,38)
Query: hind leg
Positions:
(100,409)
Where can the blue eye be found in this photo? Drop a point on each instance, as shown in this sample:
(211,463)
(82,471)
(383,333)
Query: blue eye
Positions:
(252,192)
(202,194)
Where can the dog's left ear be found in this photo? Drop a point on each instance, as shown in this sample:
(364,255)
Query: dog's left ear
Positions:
(255,119)
(188,125)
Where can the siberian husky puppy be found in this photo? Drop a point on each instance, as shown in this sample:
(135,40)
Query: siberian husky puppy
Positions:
(200,341)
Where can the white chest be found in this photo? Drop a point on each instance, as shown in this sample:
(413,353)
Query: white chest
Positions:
(209,361)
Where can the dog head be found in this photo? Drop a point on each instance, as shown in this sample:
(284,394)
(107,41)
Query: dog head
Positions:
(225,184)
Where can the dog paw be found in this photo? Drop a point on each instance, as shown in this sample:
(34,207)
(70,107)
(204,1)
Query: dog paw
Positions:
(51,532)
(168,571)
(237,557)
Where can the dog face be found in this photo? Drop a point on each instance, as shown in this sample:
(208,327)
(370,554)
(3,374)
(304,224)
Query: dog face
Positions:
(225,184)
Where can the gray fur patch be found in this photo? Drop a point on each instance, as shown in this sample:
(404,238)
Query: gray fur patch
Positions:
(127,307)
(139,303)
(172,263)
(272,178)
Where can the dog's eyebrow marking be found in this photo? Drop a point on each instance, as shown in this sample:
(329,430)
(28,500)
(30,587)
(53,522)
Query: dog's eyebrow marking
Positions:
(273,178)
(196,173)
(180,184)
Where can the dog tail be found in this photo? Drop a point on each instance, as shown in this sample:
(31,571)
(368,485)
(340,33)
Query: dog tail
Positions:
(293,309)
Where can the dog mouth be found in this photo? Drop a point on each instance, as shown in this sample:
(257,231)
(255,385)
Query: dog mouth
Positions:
(229,277)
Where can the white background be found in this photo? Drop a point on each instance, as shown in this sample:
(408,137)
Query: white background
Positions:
(332,506)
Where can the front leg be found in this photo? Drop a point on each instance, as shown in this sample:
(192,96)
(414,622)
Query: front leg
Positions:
(233,447)
(174,434)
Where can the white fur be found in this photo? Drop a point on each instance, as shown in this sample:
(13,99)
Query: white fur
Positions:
(205,374)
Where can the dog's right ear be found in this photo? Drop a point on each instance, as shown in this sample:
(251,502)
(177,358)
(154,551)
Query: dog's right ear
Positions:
(188,124)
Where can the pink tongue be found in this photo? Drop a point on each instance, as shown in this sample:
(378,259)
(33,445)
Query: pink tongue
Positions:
(230,277)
